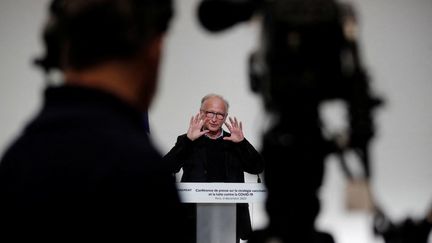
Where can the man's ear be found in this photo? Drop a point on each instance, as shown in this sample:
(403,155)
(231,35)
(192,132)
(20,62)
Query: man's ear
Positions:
(148,60)
(154,48)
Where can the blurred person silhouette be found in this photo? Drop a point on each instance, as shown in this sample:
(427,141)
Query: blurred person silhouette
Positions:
(208,153)
(84,167)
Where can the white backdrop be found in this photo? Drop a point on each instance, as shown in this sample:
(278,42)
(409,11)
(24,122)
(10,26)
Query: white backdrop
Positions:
(396,42)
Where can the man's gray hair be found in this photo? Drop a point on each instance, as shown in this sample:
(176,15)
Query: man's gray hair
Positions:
(212,95)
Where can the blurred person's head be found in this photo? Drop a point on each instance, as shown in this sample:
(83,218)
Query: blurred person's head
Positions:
(114,45)
(214,111)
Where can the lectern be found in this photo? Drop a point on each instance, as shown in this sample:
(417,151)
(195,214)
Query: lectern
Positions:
(216,207)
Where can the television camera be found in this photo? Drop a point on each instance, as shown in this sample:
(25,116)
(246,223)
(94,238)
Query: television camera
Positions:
(308,55)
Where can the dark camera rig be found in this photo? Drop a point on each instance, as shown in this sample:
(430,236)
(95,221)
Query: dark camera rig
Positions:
(308,54)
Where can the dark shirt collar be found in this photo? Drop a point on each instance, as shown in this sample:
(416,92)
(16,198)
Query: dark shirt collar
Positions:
(221,135)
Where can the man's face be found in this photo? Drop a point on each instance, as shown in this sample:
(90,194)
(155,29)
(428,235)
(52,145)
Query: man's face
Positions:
(213,111)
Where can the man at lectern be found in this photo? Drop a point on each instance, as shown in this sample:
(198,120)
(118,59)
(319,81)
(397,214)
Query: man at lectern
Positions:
(208,153)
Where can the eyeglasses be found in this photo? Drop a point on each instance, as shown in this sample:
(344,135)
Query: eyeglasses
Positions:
(211,114)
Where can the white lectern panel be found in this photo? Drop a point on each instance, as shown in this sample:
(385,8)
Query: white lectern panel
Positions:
(216,207)
(221,192)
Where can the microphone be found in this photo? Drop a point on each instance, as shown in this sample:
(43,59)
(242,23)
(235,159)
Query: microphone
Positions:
(218,15)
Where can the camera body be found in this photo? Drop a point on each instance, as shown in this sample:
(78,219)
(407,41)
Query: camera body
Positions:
(299,54)
(308,55)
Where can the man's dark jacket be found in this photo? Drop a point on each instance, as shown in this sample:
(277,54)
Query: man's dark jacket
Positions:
(85,169)
(237,158)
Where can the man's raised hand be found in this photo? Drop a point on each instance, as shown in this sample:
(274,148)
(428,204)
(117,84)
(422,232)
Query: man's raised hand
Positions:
(195,125)
(236,130)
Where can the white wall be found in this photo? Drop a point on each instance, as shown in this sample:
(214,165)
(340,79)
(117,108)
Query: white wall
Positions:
(196,63)
(396,42)
(20,83)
